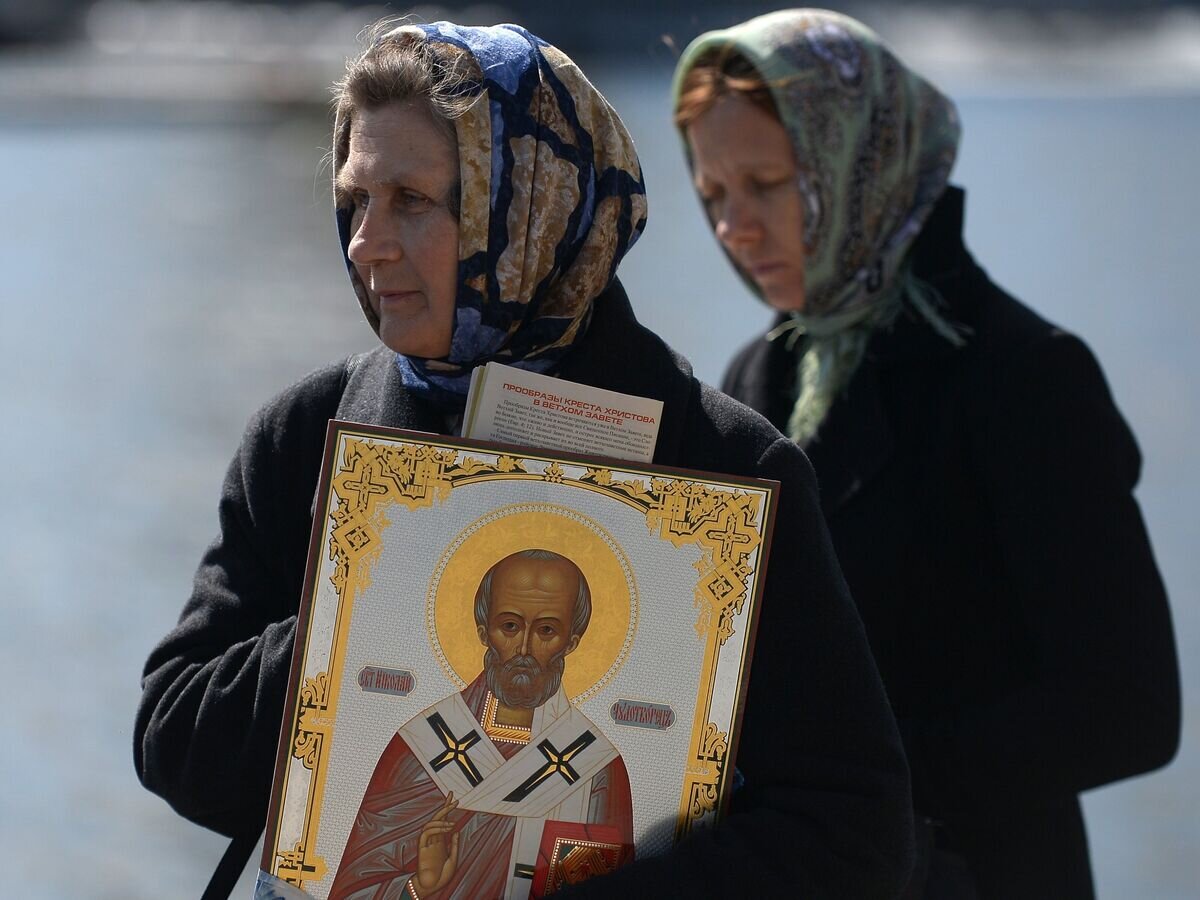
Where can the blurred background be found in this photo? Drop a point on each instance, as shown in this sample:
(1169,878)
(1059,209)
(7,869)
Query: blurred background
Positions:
(169,262)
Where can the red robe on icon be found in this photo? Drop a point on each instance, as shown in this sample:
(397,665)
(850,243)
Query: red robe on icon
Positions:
(545,805)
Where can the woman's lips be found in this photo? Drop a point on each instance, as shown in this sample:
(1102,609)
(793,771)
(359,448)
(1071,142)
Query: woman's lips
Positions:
(398,298)
(764,270)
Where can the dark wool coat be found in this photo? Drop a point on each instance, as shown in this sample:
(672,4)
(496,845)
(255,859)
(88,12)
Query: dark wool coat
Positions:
(980,504)
(825,810)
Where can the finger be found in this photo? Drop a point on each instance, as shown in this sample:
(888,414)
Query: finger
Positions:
(430,835)
(453,862)
(429,838)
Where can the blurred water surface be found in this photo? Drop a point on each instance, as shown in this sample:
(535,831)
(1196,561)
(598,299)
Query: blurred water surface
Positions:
(163,280)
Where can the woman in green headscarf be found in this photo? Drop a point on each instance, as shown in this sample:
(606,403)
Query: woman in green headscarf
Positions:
(974,471)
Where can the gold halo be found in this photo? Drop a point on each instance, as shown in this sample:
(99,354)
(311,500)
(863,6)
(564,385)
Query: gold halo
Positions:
(450,602)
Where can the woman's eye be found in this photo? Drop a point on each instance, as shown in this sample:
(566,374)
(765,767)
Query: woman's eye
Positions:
(411,201)
(770,185)
(403,202)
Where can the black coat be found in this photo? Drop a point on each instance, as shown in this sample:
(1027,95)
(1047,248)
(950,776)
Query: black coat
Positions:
(980,504)
(825,810)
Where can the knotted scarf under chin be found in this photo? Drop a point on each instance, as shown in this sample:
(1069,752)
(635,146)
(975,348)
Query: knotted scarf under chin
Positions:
(836,345)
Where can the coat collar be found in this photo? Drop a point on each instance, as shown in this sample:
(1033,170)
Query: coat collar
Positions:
(620,354)
(617,353)
(856,441)
(941,260)
(375,395)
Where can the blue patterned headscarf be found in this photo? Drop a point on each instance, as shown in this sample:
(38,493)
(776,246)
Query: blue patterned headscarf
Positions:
(552,197)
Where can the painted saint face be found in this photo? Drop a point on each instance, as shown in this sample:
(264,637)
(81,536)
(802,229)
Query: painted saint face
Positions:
(745,172)
(528,633)
(400,172)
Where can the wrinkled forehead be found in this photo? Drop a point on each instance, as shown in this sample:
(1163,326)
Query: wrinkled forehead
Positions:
(542,580)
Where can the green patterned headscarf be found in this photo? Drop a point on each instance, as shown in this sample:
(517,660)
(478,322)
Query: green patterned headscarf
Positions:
(874,145)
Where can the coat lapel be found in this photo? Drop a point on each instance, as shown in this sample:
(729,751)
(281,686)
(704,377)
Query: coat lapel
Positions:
(375,395)
(855,442)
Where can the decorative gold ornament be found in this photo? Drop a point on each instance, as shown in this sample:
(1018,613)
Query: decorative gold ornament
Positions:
(375,474)
(296,867)
(511,734)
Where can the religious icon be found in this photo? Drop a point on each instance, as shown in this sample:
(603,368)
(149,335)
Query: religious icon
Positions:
(509,676)
(521,758)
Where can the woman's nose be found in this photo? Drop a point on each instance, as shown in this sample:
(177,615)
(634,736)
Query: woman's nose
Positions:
(373,241)
(738,223)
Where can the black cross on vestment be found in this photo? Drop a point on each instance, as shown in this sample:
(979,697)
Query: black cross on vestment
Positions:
(557,762)
(456,749)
